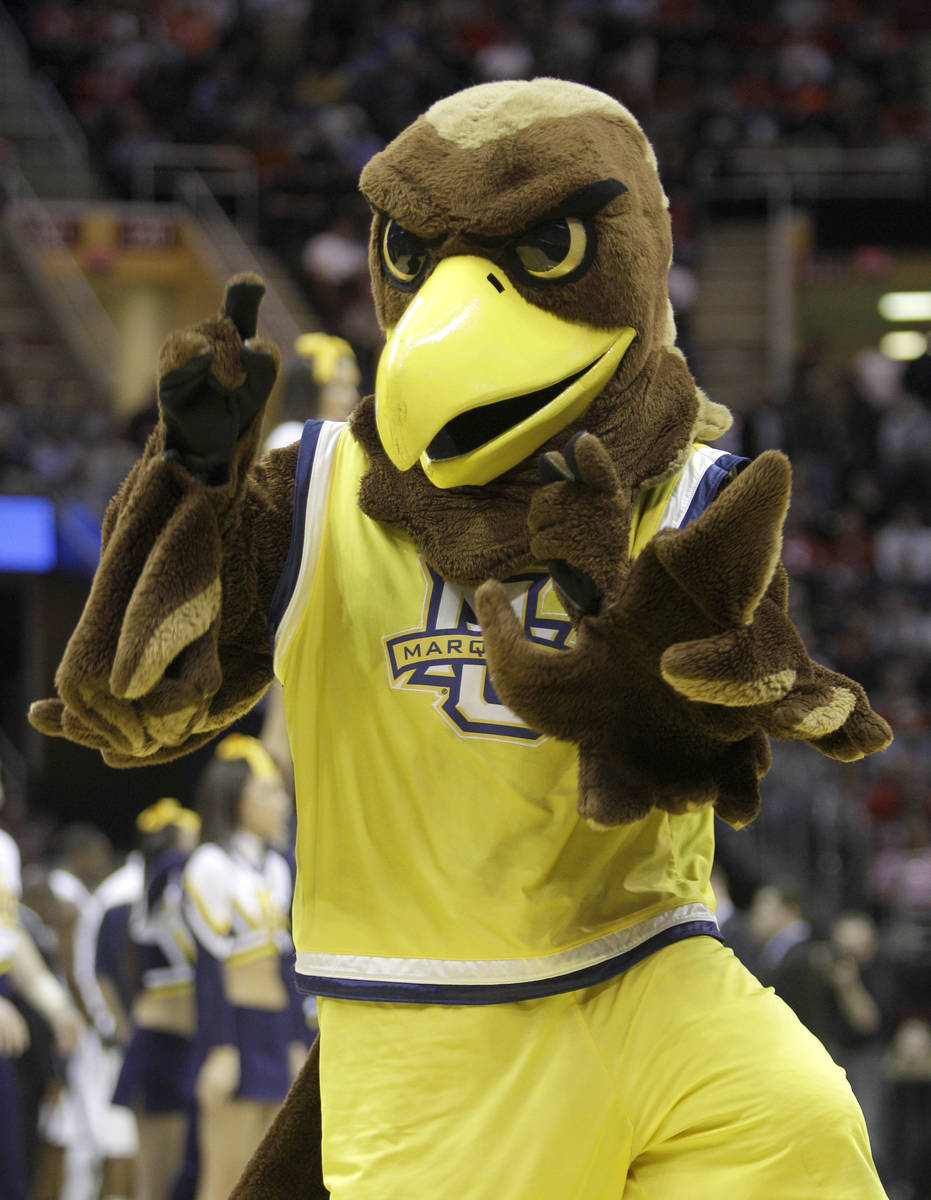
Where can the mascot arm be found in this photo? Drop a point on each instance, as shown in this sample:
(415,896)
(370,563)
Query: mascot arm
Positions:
(172,644)
(686,659)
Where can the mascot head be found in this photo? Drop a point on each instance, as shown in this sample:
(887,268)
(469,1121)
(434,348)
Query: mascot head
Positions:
(519,255)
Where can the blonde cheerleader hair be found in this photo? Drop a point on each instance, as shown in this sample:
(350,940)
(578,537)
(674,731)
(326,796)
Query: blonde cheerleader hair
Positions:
(164,812)
(251,750)
(326,352)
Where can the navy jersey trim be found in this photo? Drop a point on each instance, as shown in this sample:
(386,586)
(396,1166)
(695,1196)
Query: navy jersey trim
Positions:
(710,484)
(500,993)
(284,589)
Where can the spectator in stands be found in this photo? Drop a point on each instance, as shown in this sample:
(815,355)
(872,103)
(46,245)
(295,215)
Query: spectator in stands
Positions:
(908,1114)
(903,548)
(732,922)
(334,261)
(783,934)
(860,1002)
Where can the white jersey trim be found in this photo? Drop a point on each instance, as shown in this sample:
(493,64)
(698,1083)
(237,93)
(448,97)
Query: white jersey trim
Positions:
(314,520)
(498,971)
(690,479)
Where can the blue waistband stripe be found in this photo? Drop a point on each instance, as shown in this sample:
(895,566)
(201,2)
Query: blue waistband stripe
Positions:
(499,993)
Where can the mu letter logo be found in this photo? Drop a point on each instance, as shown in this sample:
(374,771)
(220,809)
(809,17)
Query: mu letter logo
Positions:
(446,654)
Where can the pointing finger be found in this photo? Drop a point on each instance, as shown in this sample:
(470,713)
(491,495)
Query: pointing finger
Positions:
(241,304)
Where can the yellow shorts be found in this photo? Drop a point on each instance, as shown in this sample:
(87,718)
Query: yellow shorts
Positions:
(682,1079)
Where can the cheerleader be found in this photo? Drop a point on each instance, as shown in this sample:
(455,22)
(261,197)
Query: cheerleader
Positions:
(103,1137)
(156,1079)
(22,970)
(251,1034)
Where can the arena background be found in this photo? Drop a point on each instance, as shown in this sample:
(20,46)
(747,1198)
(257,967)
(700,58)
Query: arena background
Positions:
(149,150)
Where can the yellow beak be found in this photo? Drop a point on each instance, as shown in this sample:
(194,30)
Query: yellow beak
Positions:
(474,378)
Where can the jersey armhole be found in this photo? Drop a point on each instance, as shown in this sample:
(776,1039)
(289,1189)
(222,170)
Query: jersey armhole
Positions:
(314,471)
(702,477)
(284,589)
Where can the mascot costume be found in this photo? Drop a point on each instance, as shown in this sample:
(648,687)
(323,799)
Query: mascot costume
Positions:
(532,631)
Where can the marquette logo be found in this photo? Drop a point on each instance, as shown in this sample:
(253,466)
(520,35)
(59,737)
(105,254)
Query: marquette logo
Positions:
(446,655)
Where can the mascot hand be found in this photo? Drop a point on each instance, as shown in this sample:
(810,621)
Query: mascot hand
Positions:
(687,659)
(755,665)
(214,379)
(141,676)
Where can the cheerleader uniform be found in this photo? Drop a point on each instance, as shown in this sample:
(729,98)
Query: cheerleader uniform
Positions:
(237,903)
(158,1069)
(90,1120)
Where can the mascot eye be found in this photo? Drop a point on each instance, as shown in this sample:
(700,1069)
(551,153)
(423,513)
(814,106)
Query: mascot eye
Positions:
(555,250)
(404,255)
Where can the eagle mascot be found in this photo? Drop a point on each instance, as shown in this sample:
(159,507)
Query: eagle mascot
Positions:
(532,632)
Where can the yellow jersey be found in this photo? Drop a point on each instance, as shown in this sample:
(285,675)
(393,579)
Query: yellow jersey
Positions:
(440,855)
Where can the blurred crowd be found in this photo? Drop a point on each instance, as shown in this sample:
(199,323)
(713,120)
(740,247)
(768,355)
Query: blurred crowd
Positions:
(313,90)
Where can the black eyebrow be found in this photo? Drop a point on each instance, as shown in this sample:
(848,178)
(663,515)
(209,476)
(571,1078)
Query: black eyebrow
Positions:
(587,200)
(427,241)
(584,202)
